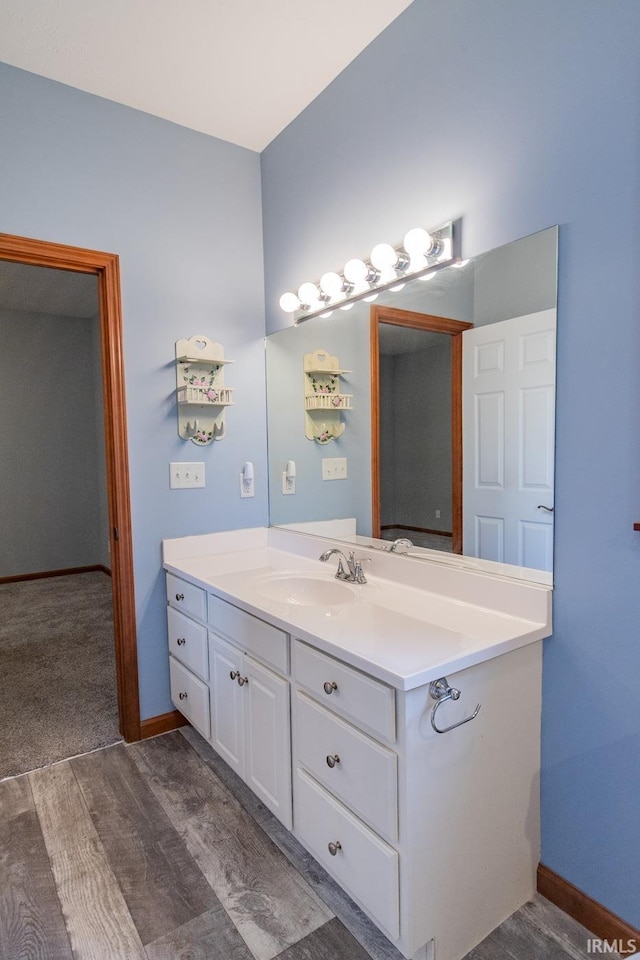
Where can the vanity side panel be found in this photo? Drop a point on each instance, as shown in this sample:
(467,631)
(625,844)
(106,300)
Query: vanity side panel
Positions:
(469,804)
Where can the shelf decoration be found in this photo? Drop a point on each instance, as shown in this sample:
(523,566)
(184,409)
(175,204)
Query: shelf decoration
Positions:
(323,400)
(201,394)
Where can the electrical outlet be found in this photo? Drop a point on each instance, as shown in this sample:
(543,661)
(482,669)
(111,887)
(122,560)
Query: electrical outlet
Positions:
(247,486)
(437,514)
(334,468)
(185,476)
(288,484)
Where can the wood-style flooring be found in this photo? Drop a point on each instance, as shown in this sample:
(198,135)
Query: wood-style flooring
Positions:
(157,851)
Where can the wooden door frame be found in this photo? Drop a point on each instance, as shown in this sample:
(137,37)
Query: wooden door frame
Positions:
(419,321)
(105,266)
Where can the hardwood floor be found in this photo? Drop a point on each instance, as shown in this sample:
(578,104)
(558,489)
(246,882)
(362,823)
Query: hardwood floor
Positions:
(157,851)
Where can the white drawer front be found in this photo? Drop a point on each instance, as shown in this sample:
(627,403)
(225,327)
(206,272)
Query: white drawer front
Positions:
(186,597)
(188,642)
(364,865)
(350,764)
(347,691)
(190,696)
(253,635)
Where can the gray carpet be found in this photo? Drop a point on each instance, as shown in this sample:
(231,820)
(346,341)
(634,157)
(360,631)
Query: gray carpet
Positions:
(57,670)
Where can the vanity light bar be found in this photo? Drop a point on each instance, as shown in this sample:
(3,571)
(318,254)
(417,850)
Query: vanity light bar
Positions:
(421,251)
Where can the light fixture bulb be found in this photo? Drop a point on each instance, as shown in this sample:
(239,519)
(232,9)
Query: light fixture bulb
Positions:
(289,303)
(383,257)
(355,271)
(308,293)
(332,284)
(417,241)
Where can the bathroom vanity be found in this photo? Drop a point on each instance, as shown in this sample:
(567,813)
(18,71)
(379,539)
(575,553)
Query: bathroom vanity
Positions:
(393,726)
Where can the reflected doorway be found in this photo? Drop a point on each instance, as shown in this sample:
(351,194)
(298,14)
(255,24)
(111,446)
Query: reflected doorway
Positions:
(416,423)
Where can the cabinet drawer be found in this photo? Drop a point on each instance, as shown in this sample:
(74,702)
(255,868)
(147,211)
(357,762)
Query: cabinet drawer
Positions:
(349,692)
(364,864)
(188,642)
(190,696)
(267,643)
(364,775)
(186,597)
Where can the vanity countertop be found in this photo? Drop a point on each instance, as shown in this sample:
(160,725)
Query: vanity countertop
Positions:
(403,634)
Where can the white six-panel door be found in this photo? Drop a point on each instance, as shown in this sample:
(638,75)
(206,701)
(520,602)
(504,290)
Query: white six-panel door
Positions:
(508,398)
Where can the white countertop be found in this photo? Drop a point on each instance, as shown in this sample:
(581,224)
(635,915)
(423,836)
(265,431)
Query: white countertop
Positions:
(404,633)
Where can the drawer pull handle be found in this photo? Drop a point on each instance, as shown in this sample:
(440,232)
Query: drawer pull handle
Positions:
(183,696)
(440,691)
(242,680)
(332,760)
(233,674)
(329,686)
(179,596)
(181,641)
(334,847)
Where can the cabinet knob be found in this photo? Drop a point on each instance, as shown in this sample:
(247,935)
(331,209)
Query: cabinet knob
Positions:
(233,674)
(179,596)
(332,760)
(242,681)
(334,847)
(329,686)
(181,641)
(182,696)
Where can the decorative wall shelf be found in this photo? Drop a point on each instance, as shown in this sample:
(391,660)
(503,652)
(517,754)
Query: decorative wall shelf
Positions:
(201,394)
(323,399)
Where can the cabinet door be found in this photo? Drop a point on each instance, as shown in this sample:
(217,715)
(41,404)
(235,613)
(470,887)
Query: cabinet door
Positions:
(268,739)
(227,703)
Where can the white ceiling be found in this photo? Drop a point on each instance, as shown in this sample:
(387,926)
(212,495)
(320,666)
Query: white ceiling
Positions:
(240,70)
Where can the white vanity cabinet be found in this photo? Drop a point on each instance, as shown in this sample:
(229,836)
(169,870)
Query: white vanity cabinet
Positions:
(402,749)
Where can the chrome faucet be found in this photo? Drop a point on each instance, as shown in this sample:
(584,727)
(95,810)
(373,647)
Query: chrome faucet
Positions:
(355,574)
(400,542)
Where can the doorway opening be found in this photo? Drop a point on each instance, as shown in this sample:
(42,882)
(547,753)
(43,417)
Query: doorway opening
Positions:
(449,409)
(105,267)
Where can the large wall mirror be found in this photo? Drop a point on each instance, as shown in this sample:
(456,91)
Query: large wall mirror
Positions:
(448,435)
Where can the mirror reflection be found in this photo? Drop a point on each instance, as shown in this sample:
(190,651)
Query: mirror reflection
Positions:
(431,418)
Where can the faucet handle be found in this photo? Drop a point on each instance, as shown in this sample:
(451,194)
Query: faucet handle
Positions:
(358,572)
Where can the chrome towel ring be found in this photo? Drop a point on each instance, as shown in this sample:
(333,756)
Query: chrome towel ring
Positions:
(439,690)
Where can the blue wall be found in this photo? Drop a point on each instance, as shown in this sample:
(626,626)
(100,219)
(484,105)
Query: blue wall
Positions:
(182,210)
(514,117)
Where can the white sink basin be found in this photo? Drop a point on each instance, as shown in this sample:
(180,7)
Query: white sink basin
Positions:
(305,591)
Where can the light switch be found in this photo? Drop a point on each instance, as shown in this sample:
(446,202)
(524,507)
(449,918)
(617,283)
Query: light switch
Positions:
(185,476)
(334,468)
